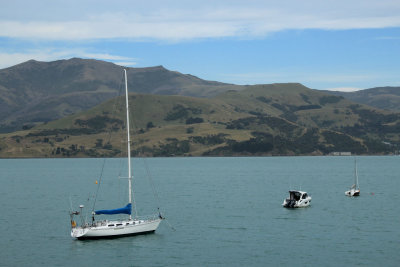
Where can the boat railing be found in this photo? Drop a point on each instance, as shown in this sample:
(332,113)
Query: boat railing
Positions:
(147,217)
(151,217)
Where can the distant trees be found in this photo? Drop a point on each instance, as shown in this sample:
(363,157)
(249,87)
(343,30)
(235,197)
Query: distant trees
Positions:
(181,112)
(212,139)
(253,145)
(176,113)
(330,99)
(150,125)
(194,120)
(342,142)
(99,143)
(189,130)
(99,123)
(174,148)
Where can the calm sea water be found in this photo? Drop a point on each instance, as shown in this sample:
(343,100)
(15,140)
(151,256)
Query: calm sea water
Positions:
(226,212)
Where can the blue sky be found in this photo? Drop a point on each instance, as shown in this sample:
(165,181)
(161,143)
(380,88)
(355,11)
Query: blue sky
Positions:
(342,45)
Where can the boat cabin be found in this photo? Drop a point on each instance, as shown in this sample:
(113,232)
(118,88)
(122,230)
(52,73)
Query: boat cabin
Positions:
(297,199)
(297,195)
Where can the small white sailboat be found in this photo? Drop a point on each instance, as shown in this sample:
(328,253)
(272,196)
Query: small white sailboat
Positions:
(355,188)
(297,199)
(120,227)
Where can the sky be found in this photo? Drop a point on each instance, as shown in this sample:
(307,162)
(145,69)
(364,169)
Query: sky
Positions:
(344,45)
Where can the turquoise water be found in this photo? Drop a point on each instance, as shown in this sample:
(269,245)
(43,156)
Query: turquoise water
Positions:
(226,212)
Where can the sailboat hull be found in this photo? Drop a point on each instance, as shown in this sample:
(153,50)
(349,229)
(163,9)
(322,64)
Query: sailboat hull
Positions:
(112,229)
(353,193)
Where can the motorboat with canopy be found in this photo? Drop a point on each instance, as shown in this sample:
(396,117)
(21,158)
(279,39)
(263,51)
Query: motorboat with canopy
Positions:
(297,199)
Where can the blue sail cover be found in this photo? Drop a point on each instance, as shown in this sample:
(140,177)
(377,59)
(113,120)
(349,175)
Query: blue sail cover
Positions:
(125,210)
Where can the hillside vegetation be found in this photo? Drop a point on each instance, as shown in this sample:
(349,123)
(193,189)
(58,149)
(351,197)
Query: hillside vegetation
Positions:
(387,98)
(276,119)
(36,92)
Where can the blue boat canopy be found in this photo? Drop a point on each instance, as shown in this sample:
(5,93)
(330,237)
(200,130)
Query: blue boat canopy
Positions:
(125,210)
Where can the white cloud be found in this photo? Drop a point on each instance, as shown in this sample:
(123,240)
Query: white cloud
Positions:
(344,89)
(125,63)
(104,56)
(174,21)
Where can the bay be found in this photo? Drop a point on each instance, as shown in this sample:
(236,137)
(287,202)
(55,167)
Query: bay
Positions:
(226,212)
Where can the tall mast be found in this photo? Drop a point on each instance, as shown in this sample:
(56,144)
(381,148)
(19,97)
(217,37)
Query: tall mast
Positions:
(129,140)
(355,173)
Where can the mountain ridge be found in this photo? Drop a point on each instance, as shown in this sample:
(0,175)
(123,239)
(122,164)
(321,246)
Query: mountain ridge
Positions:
(387,97)
(25,86)
(65,109)
(37,92)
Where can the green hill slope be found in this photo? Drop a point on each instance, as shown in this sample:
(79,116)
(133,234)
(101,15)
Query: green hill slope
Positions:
(35,92)
(277,119)
(387,98)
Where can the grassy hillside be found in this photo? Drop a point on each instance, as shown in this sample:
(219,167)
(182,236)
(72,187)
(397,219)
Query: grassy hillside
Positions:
(35,92)
(277,119)
(387,98)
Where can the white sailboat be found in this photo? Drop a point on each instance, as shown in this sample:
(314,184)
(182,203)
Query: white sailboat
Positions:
(120,227)
(355,188)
